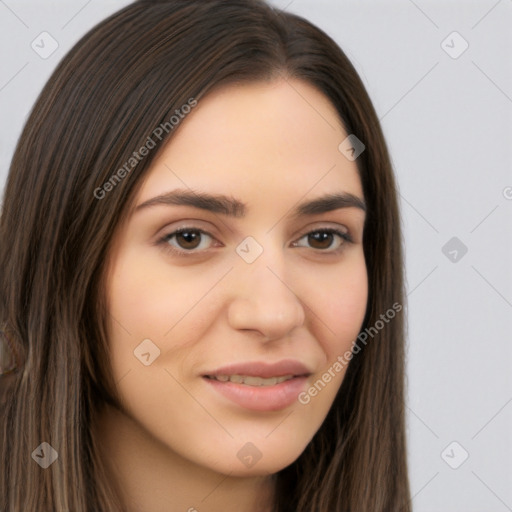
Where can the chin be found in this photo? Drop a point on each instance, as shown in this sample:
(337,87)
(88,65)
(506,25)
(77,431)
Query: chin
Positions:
(264,463)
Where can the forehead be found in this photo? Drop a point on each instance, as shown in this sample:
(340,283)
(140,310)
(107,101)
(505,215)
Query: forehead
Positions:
(278,137)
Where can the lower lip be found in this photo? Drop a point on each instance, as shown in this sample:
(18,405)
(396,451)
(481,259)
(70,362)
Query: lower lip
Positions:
(261,398)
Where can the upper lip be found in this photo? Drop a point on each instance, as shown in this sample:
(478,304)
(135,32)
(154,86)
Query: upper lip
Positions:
(261,369)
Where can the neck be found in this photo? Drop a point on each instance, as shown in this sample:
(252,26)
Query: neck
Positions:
(151,477)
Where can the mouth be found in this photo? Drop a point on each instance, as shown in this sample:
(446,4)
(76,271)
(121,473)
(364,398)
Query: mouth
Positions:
(259,386)
(249,380)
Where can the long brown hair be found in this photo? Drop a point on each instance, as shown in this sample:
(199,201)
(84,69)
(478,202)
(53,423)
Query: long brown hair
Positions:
(124,78)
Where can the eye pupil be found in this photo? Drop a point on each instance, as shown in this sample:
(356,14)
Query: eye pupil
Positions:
(190,237)
(322,237)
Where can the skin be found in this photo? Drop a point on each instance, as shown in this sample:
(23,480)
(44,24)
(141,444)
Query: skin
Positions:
(174,444)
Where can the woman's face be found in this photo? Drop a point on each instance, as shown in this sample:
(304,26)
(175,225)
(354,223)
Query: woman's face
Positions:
(259,285)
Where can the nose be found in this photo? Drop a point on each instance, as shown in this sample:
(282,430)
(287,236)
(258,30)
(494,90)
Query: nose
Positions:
(264,299)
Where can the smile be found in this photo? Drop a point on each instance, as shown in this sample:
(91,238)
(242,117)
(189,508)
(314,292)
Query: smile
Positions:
(250,380)
(257,393)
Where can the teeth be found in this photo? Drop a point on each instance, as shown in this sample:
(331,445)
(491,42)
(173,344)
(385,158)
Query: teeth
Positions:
(252,381)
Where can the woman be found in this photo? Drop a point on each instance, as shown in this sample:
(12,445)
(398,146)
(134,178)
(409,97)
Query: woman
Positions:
(202,275)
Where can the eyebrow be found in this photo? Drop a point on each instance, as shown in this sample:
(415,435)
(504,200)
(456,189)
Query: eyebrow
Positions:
(233,207)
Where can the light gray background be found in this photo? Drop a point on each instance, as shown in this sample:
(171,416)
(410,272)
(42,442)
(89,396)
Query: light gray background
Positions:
(448,123)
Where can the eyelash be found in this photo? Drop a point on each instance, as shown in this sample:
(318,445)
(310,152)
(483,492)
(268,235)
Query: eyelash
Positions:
(164,241)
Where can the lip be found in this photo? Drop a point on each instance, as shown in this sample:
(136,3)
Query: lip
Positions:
(264,370)
(261,398)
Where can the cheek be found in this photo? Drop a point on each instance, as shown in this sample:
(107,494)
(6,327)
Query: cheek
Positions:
(147,299)
(140,309)
(341,306)
(154,301)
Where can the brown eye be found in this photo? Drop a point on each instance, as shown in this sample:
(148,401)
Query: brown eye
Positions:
(326,240)
(320,240)
(186,240)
